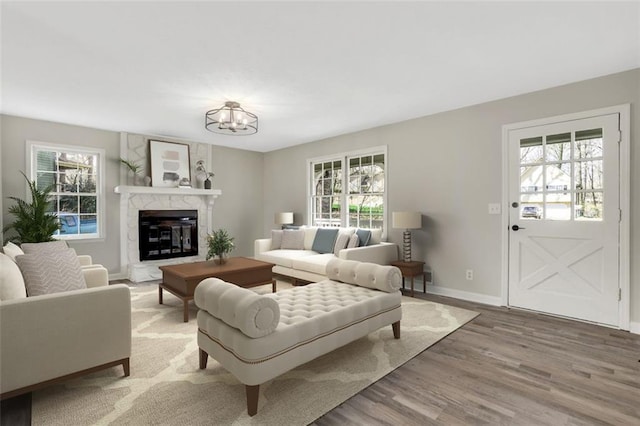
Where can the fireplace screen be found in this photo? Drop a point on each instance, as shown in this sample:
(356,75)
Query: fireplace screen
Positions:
(164,234)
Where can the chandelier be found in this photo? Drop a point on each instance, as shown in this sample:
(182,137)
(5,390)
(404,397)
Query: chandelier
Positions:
(231,119)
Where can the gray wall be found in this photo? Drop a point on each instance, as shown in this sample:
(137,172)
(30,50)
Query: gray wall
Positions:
(238,175)
(448,166)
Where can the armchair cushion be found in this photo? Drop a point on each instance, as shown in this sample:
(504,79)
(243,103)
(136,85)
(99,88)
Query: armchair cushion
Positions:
(11,282)
(51,272)
(12,250)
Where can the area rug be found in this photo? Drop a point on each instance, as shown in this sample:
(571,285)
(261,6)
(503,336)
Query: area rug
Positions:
(166,387)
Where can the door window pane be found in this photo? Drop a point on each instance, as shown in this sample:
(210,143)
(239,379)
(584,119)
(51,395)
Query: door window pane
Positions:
(531,210)
(589,205)
(589,144)
(531,179)
(558,147)
(531,150)
(588,174)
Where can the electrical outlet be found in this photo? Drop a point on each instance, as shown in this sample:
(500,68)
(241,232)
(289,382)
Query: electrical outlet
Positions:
(494,208)
(469,274)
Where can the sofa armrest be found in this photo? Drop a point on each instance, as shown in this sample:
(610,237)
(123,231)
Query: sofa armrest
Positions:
(382,254)
(49,336)
(95,275)
(85,260)
(260,246)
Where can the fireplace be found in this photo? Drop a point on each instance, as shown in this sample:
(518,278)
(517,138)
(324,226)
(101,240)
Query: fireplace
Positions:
(165,234)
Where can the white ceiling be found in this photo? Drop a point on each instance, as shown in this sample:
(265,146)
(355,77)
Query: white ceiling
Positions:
(309,70)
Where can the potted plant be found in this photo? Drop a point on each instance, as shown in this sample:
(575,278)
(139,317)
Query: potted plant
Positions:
(134,170)
(34,221)
(220,243)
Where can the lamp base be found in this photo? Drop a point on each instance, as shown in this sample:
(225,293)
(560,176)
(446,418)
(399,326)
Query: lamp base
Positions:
(406,245)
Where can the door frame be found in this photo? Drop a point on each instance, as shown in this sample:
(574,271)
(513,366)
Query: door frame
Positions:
(624,227)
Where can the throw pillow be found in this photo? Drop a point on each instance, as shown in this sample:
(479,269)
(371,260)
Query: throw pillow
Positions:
(11,281)
(51,272)
(364,235)
(37,248)
(12,250)
(376,237)
(276,239)
(354,241)
(292,239)
(341,242)
(324,240)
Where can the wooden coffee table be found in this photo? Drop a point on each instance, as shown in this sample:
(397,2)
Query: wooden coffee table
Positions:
(181,280)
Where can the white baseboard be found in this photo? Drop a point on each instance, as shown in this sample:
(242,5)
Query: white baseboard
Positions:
(117,276)
(464,295)
(634,327)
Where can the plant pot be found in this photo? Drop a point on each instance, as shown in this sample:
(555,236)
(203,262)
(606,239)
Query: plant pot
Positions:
(220,260)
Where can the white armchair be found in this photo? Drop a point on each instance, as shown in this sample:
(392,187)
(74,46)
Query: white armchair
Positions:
(56,337)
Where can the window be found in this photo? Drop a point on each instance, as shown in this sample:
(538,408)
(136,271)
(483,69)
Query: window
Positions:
(363,203)
(76,177)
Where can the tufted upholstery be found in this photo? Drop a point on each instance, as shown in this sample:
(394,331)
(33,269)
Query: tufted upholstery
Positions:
(370,275)
(314,319)
(254,315)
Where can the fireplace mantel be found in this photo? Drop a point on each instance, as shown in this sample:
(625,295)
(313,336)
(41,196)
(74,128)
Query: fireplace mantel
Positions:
(212,194)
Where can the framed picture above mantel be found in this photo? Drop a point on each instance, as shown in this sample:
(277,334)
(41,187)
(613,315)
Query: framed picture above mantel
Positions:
(169,163)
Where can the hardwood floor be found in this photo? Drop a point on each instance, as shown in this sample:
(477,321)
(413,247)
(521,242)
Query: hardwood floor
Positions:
(508,367)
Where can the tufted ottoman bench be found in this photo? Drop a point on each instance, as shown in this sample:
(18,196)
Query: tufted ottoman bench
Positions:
(259,337)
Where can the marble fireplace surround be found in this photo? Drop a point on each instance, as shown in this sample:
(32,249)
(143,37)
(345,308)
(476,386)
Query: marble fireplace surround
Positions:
(136,198)
(134,147)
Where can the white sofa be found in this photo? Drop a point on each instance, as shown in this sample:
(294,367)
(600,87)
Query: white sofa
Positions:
(308,265)
(55,337)
(257,338)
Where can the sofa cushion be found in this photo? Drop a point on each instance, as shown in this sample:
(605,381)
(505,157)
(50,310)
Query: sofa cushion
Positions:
(51,272)
(284,257)
(12,250)
(292,239)
(376,237)
(364,235)
(341,242)
(363,274)
(49,246)
(11,281)
(309,236)
(354,241)
(325,240)
(254,315)
(276,239)
(316,264)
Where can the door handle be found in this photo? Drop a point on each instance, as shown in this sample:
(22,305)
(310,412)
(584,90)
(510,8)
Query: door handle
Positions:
(516,227)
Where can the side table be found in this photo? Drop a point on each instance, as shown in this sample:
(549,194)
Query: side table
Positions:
(410,270)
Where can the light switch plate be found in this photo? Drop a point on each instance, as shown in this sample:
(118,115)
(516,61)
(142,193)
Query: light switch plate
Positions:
(494,208)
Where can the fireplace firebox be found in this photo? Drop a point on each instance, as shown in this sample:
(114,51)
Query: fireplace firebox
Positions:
(165,234)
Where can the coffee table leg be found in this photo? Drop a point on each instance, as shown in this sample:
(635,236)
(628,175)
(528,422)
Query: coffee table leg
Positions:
(412,286)
(186,310)
(160,295)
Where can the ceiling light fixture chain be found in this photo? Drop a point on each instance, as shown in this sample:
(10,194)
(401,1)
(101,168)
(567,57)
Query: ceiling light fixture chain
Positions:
(231,119)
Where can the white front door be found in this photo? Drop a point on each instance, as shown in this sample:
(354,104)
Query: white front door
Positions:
(564,218)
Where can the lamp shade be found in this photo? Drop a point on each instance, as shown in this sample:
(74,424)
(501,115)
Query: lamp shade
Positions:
(285,218)
(407,220)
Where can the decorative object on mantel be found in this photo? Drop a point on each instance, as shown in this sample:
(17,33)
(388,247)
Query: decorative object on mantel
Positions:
(231,119)
(203,175)
(133,172)
(406,221)
(169,163)
(184,183)
(220,243)
(284,218)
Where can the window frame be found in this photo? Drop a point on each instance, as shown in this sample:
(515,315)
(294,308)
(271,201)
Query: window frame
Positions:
(31,165)
(344,195)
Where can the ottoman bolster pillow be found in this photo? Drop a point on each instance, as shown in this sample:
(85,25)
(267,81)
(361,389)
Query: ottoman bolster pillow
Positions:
(371,275)
(252,314)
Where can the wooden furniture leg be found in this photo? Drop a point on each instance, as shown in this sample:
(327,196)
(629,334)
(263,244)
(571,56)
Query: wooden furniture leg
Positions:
(185,304)
(252,399)
(126,367)
(412,286)
(273,286)
(160,295)
(204,357)
(396,329)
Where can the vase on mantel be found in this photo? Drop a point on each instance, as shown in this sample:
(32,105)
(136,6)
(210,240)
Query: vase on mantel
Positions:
(207,183)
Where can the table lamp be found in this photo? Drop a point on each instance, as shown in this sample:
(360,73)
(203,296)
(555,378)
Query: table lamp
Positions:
(407,221)
(285,218)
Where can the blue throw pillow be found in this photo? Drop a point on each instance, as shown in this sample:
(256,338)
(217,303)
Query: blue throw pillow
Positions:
(324,240)
(364,235)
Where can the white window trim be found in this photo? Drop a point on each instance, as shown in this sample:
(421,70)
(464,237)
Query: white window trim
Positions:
(100,188)
(382,149)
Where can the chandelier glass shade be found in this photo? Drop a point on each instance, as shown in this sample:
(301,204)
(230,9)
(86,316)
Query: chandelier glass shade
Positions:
(231,119)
